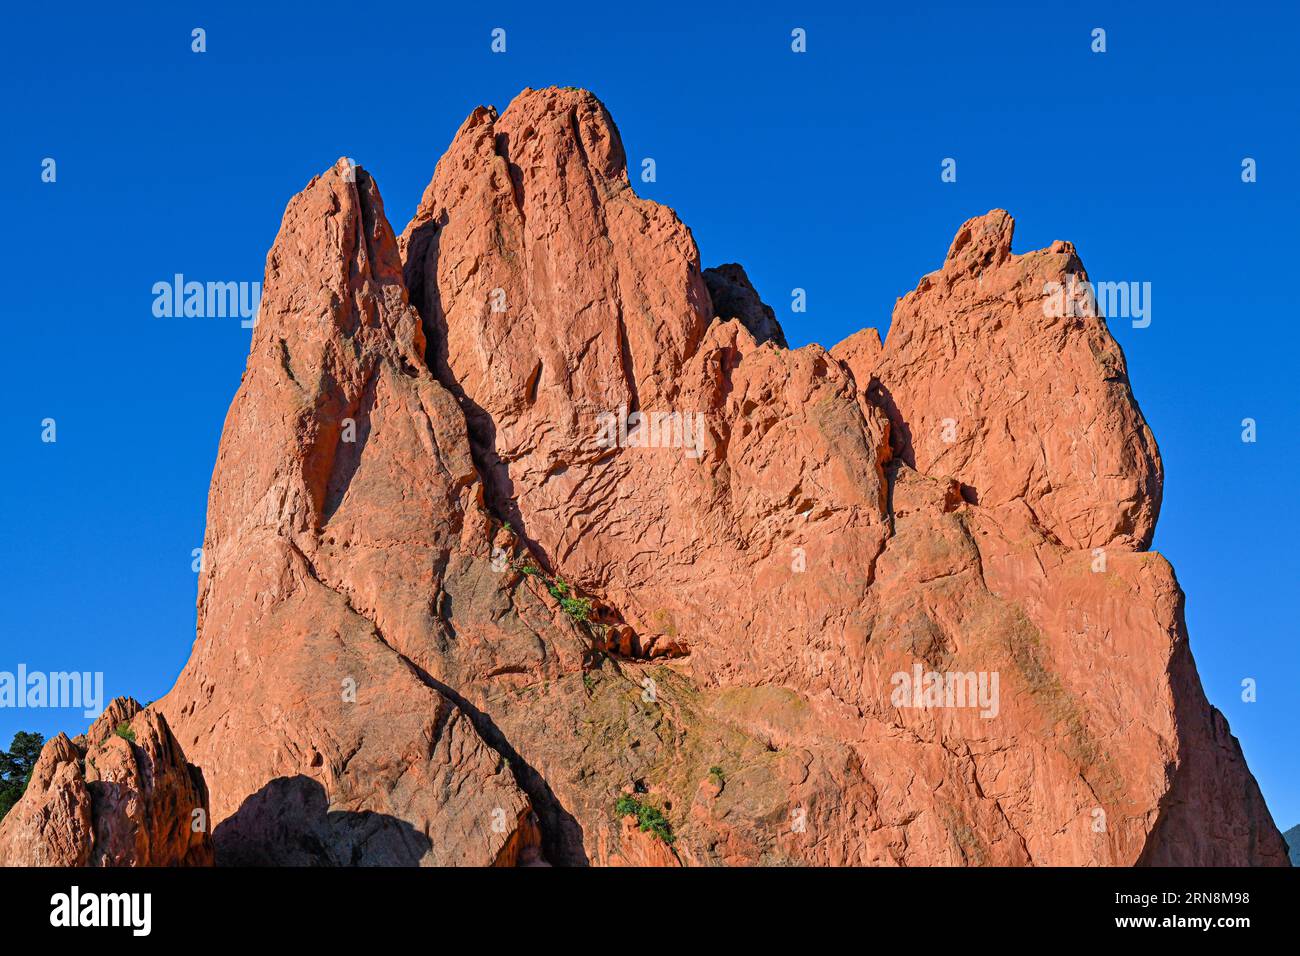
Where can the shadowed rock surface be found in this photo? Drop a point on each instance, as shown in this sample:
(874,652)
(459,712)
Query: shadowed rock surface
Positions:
(734,298)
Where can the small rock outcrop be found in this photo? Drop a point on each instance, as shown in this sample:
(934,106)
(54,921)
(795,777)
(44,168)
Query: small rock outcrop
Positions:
(122,794)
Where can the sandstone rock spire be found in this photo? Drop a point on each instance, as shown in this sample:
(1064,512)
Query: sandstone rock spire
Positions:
(529,541)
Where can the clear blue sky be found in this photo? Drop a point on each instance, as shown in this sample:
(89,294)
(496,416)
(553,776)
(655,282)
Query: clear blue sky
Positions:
(819,171)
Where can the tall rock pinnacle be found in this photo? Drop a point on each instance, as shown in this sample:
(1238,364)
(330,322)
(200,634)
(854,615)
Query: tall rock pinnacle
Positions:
(342,487)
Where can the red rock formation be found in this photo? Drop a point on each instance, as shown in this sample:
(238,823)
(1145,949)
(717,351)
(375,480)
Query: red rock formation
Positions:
(1031,406)
(343,496)
(120,795)
(570,521)
(603,313)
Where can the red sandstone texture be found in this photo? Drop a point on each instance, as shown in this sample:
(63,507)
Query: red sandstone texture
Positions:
(522,510)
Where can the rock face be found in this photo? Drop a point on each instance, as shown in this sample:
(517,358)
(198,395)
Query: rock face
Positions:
(122,794)
(522,512)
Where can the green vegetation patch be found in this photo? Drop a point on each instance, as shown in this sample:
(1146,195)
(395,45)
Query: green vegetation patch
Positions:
(649,819)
